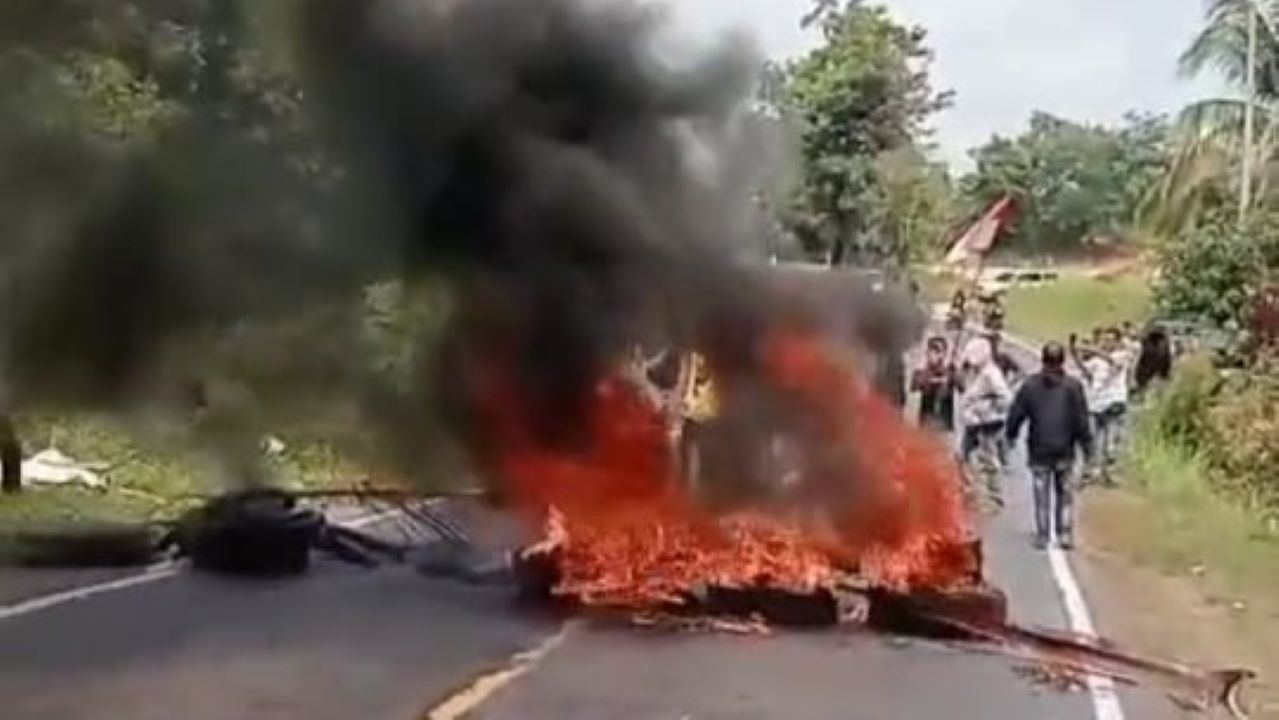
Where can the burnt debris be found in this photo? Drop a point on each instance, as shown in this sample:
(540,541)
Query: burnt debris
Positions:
(265,532)
(974,615)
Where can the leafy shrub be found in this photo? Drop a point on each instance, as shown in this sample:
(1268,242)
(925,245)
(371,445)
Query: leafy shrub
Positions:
(1227,421)
(1180,409)
(1212,270)
(1243,429)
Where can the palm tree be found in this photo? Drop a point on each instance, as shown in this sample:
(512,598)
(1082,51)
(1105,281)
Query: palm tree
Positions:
(1222,44)
(1216,138)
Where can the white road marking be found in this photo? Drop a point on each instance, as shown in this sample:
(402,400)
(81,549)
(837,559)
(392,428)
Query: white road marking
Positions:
(159,571)
(44,602)
(1101,690)
(1105,701)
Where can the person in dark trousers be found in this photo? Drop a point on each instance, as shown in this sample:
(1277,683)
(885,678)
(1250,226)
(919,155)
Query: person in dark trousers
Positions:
(1154,363)
(1053,404)
(936,384)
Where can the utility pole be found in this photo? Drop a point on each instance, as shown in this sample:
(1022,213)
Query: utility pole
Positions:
(1245,186)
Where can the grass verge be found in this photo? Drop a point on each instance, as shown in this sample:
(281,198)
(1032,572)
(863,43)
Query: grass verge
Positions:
(1182,571)
(1076,304)
(143,483)
(1188,526)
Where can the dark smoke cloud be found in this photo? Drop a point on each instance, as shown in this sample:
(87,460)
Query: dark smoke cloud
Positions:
(573,188)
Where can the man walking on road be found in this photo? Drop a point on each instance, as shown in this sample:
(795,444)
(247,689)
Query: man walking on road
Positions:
(1054,406)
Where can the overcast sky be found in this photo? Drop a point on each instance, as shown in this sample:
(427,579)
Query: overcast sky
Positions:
(1082,59)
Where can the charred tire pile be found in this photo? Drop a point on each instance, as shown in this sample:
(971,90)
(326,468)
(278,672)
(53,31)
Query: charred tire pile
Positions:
(258,533)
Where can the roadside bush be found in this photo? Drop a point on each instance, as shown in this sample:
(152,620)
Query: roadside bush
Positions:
(1228,422)
(1212,270)
(1243,447)
(1180,409)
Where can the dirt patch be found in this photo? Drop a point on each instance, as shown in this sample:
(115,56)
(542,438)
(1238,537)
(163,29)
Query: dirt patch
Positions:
(1175,606)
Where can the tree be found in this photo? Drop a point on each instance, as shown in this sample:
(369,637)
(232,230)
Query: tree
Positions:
(1211,272)
(1072,182)
(862,93)
(1210,133)
(110,105)
(914,206)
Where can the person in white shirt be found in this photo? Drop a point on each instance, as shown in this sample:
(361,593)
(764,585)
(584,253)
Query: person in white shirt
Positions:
(1106,372)
(983,407)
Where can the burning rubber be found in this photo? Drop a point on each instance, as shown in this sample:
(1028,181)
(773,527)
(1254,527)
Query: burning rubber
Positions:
(975,615)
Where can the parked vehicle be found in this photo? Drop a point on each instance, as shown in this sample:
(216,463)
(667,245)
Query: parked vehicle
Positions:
(997,280)
(1196,335)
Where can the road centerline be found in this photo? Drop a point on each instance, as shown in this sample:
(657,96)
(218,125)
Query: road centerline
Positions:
(466,701)
(1101,690)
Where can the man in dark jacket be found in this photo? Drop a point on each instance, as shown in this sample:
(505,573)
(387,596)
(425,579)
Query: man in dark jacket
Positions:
(1054,406)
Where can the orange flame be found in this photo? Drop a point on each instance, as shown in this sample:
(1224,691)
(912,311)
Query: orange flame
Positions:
(906,526)
(627,534)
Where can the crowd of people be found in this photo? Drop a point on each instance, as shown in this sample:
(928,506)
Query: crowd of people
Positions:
(1073,409)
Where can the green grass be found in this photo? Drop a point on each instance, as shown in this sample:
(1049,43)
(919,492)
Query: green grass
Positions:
(1188,525)
(1167,516)
(1076,304)
(145,482)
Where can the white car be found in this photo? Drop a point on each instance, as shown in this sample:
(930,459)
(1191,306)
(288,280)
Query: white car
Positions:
(999,280)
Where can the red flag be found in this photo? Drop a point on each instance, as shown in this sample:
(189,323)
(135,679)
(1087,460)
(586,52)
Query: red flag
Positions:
(980,238)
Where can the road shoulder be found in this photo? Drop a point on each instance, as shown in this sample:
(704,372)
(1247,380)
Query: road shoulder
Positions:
(1185,612)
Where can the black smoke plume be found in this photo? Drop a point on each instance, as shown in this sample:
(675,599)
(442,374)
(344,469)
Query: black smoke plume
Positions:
(565,180)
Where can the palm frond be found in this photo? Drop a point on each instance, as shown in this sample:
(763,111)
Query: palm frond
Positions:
(1174,204)
(1220,121)
(1208,147)
(1214,119)
(1222,45)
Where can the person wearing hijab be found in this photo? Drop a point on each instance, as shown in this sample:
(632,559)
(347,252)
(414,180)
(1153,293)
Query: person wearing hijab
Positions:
(983,408)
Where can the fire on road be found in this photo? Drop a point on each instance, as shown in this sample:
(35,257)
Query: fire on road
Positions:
(388,644)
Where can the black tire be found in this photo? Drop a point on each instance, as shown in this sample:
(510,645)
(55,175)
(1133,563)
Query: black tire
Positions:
(88,546)
(254,534)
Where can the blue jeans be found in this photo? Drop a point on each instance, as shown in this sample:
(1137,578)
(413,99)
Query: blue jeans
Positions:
(1054,500)
(1108,431)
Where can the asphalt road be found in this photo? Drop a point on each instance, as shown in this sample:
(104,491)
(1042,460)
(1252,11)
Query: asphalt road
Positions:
(348,644)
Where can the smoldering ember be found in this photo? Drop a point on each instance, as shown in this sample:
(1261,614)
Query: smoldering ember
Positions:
(578,198)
